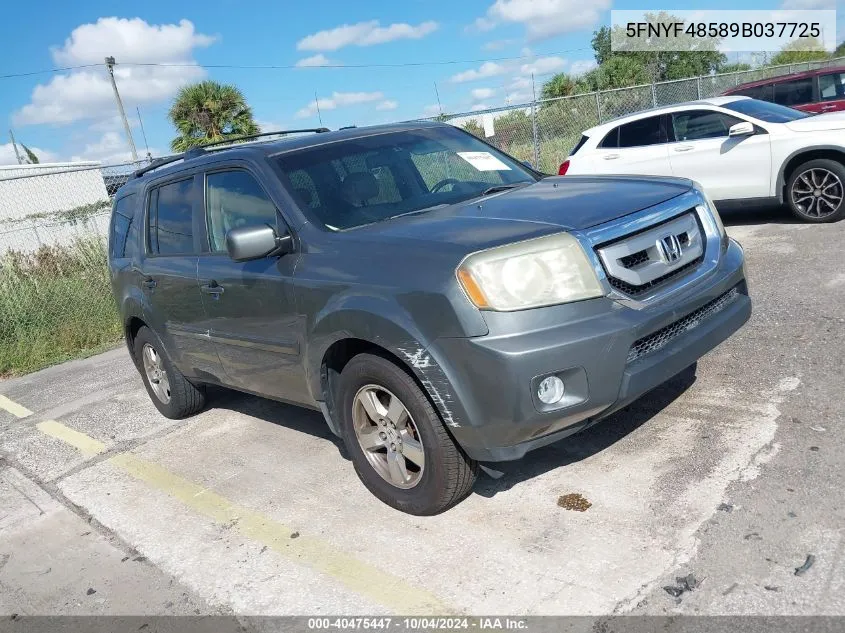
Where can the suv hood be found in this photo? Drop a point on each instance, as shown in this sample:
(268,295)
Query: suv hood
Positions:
(819,122)
(559,203)
(577,202)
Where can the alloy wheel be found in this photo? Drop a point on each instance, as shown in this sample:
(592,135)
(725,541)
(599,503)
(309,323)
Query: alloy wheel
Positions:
(817,192)
(156,373)
(388,436)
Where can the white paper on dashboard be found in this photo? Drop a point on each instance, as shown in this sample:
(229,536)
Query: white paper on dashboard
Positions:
(484,161)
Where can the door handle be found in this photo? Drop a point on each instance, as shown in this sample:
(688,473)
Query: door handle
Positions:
(150,283)
(683,148)
(212,288)
(610,156)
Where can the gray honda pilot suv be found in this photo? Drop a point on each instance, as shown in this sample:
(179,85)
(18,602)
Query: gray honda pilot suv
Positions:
(441,303)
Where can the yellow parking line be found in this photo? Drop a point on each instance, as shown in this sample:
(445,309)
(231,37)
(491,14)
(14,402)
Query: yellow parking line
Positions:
(86,445)
(367,580)
(17,410)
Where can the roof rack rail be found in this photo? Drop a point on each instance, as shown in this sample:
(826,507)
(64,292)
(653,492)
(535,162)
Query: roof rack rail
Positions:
(201,149)
(158,162)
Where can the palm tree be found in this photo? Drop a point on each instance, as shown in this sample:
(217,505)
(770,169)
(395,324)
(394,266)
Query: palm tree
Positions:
(209,111)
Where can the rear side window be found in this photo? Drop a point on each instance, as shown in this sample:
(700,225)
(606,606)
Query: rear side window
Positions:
(795,92)
(171,218)
(763,93)
(124,232)
(694,125)
(648,131)
(832,86)
(579,145)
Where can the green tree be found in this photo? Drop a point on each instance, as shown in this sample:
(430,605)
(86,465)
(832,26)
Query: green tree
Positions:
(560,85)
(209,111)
(618,71)
(840,50)
(734,68)
(799,51)
(474,127)
(33,159)
(703,57)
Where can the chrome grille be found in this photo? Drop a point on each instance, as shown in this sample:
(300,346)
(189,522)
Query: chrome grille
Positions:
(639,262)
(660,338)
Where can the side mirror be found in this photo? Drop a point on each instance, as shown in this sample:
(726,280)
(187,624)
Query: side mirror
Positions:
(255,242)
(745,128)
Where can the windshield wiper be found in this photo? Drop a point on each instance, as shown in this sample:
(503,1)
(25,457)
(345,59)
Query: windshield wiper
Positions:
(497,188)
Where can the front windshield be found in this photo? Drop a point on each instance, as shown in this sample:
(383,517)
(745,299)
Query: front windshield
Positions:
(765,111)
(372,178)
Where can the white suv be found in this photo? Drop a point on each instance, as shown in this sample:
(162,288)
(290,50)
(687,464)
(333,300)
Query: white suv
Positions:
(738,149)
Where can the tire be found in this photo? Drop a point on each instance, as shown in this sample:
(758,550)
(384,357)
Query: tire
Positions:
(183,398)
(446,474)
(816,205)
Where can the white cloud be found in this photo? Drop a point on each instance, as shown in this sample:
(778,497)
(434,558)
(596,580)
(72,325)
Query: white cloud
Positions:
(487,69)
(519,83)
(482,25)
(338,100)
(270,126)
(314,61)
(497,45)
(87,94)
(479,94)
(543,65)
(479,106)
(808,4)
(518,97)
(129,41)
(544,18)
(387,104)
(110,148)
(582,66)
(363,34)
(7,154)
(431,110)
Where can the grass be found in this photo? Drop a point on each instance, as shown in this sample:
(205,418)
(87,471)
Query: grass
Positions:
(55,304)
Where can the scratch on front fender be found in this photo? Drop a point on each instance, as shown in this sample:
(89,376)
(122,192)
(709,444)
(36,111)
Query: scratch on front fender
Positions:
(433,380)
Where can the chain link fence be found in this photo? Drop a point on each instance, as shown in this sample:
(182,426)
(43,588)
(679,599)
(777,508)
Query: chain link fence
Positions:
(55,297)
(543,132)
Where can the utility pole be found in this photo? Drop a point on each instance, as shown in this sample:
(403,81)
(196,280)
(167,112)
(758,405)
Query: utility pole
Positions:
(15,145)
(439,105)
(317,103)
(534,132)
(110,65)
(144,134)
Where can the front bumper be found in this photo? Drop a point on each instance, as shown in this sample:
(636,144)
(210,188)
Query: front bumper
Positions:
(489,383)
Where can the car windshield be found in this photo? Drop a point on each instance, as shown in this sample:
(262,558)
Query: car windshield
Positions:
(372,178)
(765,111)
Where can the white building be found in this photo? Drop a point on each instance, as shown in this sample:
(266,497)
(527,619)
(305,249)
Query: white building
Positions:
(37,200)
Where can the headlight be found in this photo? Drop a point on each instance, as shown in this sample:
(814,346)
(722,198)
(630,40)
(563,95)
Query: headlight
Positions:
(539,272)
(717,220)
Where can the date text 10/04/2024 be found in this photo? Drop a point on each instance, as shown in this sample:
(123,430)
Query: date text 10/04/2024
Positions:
(418,623)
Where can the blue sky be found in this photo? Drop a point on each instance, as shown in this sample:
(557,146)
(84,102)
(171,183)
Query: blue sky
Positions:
(71,115)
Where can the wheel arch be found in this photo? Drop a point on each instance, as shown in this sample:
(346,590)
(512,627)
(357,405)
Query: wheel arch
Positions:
(830,152)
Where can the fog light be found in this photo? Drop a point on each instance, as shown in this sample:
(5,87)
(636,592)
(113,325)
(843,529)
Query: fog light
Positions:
(550,390)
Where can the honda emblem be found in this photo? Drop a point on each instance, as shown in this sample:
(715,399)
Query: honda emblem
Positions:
(669,247)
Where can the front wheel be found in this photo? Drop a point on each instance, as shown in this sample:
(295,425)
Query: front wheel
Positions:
(173,395)
(815,191)
(398,444)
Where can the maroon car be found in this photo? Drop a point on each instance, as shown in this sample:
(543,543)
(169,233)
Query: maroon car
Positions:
(821,90)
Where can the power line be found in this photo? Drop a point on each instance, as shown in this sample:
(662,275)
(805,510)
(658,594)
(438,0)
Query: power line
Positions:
(50,70)
(294,66)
